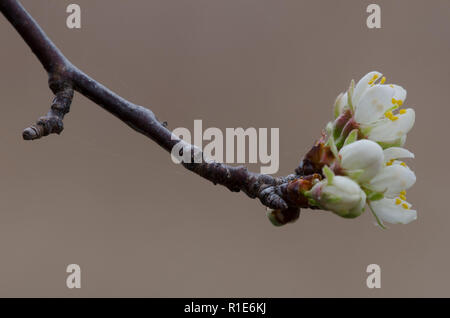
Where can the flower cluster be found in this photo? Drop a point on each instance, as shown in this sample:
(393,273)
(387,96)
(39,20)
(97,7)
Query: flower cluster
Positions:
(366,140)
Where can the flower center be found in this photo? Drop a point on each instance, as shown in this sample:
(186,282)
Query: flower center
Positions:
(374,79)
(397,103)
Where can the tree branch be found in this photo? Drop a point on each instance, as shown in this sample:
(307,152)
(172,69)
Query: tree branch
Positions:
(281,193)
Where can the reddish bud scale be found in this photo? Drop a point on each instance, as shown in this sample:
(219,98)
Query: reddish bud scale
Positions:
(296,188)
(315,159)
(349,126)
(340,122)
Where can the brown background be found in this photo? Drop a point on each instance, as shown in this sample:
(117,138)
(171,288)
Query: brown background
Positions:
(106,198)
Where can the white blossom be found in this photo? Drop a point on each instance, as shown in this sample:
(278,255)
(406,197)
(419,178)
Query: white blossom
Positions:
(361,160)
(393,180)
(376,109)
(340,195)
(393,211)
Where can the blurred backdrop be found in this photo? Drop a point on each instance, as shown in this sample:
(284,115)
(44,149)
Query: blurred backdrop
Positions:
(105,197)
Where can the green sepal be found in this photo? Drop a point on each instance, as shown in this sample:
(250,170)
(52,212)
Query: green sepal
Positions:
(352,215)
(312,202)
(335,108)
(332,144)
(349,215)
(366,130)
(355,174)
(332,199)
(372,195)
(375,196)
(339,142)
(350,95)
(336,131)
(273,219)
(376,217)
(328,174)
(307,193)
(396,143)
(352,137)
(329,128)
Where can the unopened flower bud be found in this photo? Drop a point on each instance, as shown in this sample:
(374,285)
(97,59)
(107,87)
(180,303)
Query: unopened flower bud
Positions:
(282,217)
(342,196)
(361,160)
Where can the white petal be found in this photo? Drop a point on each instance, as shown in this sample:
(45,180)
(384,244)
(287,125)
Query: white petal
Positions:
(396,153)
(388,211)
(400,93)
(363,155)
(341,103)
(363,85)
(374,103)
(387,130)
(393,179)
(342,196)
(402,140)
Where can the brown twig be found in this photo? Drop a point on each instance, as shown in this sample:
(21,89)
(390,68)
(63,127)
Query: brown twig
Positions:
(281,193)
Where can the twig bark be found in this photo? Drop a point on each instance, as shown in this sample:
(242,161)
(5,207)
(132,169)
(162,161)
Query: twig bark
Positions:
(281,193)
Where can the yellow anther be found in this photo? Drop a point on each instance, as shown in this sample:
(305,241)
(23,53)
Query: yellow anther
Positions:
(403,192)
(389,163)
(403,164)
(398,201)
(405,206)
(397,102)
(388,114)
(393,118)
(372,81)
(401,196)
(383,79)
(402,111)
(391,86)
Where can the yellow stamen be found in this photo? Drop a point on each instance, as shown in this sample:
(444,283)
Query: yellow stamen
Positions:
(383,79)
(403,164)
(390,162)
(403,192)
(402,111)
(401,196)
(394,118)
(398,201)
(388,114)
(372,81)
(405,206)
(391,86)
(397,102)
